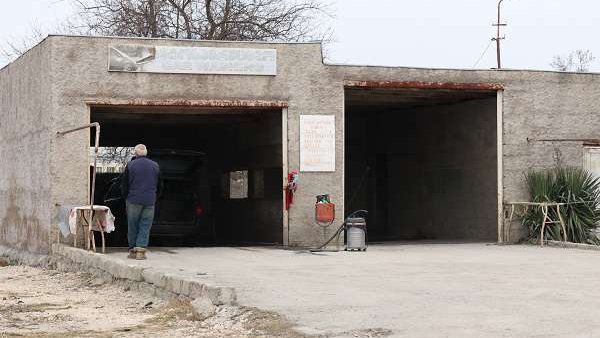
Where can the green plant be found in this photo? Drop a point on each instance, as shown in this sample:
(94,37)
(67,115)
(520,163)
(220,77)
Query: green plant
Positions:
(576,187)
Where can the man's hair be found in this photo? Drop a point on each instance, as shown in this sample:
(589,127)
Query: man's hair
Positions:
(140,150)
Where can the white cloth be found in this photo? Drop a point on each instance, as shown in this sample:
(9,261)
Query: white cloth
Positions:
(105,217)
(63,220)
(109,225)
(73,220)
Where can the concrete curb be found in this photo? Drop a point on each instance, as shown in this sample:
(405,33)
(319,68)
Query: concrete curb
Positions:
(571,245)
(178,285)
(101,265)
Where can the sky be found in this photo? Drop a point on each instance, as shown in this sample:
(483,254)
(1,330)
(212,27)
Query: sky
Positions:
(417,33)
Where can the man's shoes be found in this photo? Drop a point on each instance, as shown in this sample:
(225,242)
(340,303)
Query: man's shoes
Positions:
(140,253)
(132,254)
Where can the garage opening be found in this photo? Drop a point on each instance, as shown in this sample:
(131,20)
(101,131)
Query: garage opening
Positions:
(221,170)
(423,162)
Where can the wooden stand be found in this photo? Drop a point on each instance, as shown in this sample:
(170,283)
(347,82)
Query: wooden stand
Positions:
(90,222)
(546,220)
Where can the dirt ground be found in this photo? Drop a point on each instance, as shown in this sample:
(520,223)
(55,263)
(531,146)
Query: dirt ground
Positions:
(42,303)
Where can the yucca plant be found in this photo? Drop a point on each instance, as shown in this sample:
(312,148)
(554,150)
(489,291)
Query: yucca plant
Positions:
(574,186)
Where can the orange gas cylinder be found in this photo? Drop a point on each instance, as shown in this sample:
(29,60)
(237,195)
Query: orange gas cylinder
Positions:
(325,213)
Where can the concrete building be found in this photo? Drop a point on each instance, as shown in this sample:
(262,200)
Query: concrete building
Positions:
(431,153)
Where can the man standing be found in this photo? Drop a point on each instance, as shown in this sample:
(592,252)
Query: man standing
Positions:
(139,185)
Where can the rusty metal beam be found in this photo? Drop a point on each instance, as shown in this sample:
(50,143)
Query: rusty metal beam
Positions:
(187,103)
(585,141)
(476,86)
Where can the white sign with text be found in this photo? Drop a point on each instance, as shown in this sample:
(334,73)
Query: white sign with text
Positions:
(317,143)
(192,60)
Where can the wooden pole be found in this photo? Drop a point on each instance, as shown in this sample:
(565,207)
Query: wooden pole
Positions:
(545,212)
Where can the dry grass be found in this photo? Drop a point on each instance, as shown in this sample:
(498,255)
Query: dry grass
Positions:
(176,309)
(270,324)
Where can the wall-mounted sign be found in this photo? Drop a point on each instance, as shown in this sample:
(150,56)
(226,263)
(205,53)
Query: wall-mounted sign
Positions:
(317,143)
(192,60)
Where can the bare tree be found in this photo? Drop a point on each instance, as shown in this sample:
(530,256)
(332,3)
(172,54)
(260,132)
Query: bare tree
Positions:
(13,49)
(266,20)
(578,61)
(263,20)
(113,158)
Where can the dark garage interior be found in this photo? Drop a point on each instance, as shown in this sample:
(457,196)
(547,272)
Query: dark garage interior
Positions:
(221,170)
(423,162)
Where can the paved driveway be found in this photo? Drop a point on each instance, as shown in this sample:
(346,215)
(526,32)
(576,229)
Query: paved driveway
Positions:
(412,290)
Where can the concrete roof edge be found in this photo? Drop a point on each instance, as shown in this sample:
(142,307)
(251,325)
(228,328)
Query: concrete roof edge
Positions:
(187,40)
(462,69)
(332,64)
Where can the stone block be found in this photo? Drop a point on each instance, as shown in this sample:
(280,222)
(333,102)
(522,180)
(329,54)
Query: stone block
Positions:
(203,308)
(153,277)
(221,295)
(197,290)
(133,272)
(173,283)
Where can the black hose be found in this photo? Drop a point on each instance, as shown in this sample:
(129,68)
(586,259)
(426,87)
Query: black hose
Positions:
(337,232)
(359,187)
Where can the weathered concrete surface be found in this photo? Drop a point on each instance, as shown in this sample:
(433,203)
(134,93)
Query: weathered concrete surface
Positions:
(536,104)
(25,137)
(416,291)
(440,158)
(49,89)
(459,172)
(165,285)
(127,270)
(303,82)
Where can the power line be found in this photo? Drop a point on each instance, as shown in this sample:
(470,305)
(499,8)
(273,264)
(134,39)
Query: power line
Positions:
(483,54)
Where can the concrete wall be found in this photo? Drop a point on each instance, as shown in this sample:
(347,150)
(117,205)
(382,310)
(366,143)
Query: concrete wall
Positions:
(383,170)
(536,104)
(432,170)
(25,138)
(457,150)
(302,81)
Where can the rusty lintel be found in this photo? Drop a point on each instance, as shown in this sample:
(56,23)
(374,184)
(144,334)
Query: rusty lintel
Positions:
(423,85)
(585,141)
(188,103)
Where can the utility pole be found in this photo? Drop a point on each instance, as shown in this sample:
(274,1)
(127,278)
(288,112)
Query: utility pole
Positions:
(498,38)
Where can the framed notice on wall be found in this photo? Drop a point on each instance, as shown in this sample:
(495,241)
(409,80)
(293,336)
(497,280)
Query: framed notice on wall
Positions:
(192,60)
(317,143)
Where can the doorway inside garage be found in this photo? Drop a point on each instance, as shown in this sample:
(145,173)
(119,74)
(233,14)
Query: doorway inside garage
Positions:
(424,162)
(221,170)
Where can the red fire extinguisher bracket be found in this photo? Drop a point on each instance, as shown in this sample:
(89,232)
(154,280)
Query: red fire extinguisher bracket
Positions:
(290,190)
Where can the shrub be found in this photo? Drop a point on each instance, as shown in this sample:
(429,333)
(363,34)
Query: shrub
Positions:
(574,186)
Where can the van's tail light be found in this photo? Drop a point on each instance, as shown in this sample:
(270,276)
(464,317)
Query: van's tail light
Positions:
(199,210)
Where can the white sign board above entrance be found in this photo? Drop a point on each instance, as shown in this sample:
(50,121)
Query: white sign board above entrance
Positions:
(192,60)
(317,143)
